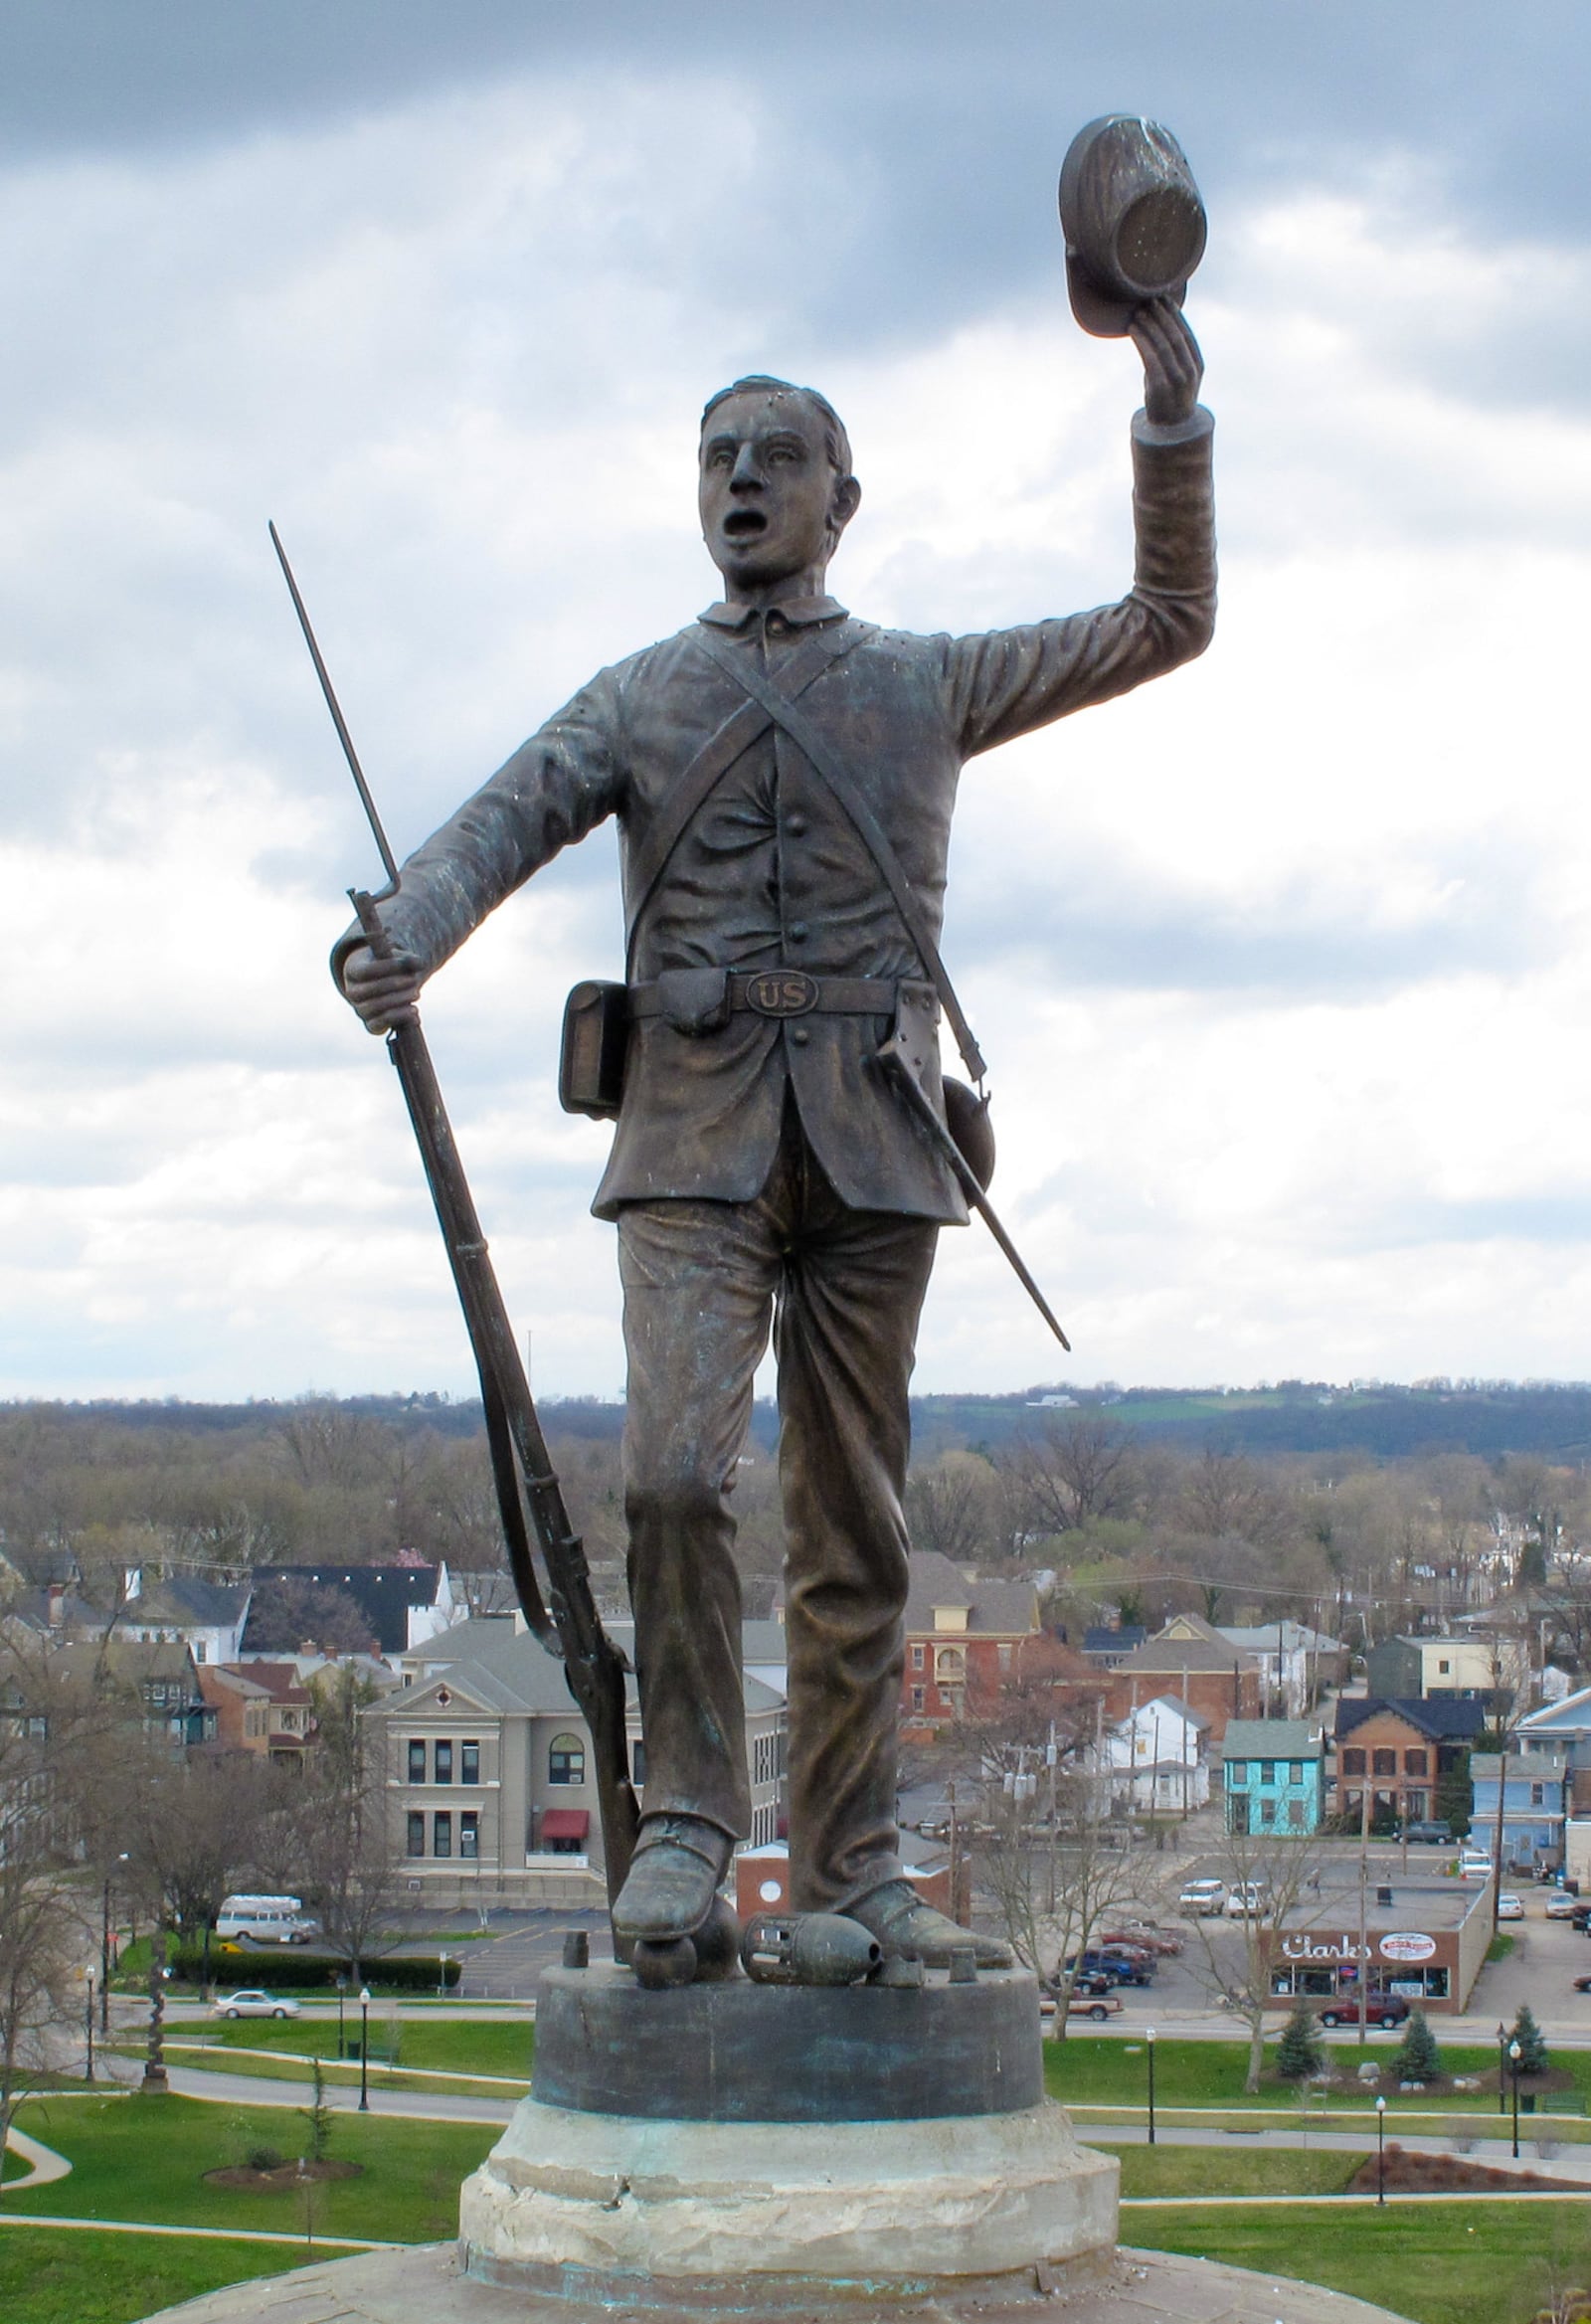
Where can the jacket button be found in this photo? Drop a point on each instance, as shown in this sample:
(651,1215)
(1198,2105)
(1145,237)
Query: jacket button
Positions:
(800,1035)
(795,826)
(798,932)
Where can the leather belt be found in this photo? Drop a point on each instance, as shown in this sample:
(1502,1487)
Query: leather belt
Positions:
(785,992)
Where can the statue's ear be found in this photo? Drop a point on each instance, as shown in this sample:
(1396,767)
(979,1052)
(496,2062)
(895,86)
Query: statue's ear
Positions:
(843,504)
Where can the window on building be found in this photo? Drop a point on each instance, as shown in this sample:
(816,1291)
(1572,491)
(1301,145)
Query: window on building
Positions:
(1416,1763)
(919,1657)
(950,1664)
(1538,1795)
(445,1762)
(417,1833)
(1386,1763)
(1268,1771)
(1353,1762)
(1444,1667)
(1237,1775)
(470,1833)
(1003,1657)
(469,1762)
(1267,1811)
(1290,1814)
(441,1833)
(638,1761)
(199,1650)
(919,1695)
(566,1759)
(416,1760)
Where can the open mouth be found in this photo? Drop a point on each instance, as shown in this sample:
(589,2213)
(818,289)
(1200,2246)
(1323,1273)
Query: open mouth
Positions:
(745,524)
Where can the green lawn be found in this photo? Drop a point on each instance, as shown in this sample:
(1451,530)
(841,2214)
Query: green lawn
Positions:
(445,2045)
(1098,2069)
(51,2275)
(1202,2170)
(141,2158)
(1484,2262)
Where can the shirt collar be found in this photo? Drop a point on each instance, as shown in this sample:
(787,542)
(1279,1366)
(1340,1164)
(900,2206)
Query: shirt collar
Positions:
(797,612)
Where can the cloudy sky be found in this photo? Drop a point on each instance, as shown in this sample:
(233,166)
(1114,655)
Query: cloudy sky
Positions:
(1283,965)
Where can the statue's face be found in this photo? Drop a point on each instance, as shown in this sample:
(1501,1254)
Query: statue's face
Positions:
(771,503)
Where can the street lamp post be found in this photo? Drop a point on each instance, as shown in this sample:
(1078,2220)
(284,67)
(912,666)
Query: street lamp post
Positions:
(441,1976)
(1503,2069)
(88,2024)
(1380,2150)
(364,2049)
(1514,2056)
(343,1989)
(1149,2035)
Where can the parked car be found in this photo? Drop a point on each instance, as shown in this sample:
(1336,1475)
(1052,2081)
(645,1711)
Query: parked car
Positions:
(252,2002)
(1562,1907)
(1141,1932)
(1430,1834)
(1582,1985)
(1202,1898)
(1510,1906)
(1096,1962)
(1474,1864)
(1380,2009)
(1247,1901)
(1098,2006)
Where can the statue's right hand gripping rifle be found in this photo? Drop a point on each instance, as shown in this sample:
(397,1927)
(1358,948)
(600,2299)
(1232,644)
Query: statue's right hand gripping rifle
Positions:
(521,1470)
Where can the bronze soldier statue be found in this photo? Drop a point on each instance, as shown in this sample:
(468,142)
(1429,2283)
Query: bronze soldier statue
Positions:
(782,903)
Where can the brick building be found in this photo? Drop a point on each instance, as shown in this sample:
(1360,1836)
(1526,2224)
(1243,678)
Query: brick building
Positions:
(1192,1661)
(264,1709)
(1401,1750)
(964,1641)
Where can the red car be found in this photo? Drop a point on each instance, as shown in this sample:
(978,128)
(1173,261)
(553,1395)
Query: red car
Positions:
(1380,2009)
(1154,1940)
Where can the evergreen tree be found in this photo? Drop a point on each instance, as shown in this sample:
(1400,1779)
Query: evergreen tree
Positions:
(1299,2052)
(1454,1796)
(1418,2058)
(1532,2049)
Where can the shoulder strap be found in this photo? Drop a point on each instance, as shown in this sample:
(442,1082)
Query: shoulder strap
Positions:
(710,764)
(825,763)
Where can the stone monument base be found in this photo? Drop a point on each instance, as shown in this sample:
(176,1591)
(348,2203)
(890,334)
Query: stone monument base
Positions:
(607,2210)
(426,2283)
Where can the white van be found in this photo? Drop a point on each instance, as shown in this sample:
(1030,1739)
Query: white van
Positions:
(266,1921)
(1474,1864)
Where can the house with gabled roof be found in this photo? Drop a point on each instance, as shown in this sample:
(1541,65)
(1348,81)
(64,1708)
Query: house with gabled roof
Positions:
(1274,1776)
(206,1615)
(1190,1660)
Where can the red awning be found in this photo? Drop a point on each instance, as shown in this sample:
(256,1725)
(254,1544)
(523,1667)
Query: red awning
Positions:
(564,1824)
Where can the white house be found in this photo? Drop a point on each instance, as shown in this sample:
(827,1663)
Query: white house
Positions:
(1154,1760)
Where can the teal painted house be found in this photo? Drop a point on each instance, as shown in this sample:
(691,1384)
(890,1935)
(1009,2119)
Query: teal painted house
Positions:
(1274,1776)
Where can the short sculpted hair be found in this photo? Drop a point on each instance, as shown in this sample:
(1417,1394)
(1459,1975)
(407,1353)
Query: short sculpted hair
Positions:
(836,442)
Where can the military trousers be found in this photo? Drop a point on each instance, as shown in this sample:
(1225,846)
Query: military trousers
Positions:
(843,1290)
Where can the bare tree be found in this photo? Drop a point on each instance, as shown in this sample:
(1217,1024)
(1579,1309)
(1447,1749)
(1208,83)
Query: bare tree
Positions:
(346,1841)
(1075,1471)
(1239,1953)
(949,1505)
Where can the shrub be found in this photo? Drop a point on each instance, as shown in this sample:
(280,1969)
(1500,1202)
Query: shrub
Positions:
(264,2158)
(288,1972)
(1298,2053)
(1418,2058)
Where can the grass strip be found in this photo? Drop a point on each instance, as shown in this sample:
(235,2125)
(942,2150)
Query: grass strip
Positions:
(1489,2260)
(52,2275)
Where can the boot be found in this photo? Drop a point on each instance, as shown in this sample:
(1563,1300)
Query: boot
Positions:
(672,1881)
(910,1930)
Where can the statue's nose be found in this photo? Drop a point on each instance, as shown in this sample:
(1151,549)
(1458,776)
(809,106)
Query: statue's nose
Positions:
(746,471)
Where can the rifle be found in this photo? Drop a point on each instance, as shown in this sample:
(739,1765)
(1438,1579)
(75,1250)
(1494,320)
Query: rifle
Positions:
(564,1617)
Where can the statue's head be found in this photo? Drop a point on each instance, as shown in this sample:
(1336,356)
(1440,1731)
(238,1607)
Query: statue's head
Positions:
(776,487)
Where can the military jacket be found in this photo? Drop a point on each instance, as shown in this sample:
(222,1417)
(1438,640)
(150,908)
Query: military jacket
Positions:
(769,872)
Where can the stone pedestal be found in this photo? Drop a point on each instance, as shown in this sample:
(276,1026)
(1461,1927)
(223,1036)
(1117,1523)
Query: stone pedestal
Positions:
(603,2209)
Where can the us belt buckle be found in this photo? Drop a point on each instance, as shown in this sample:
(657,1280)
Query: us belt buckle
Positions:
(781,992)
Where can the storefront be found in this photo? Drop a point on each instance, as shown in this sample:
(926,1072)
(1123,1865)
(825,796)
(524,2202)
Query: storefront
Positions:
(1423,1943)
